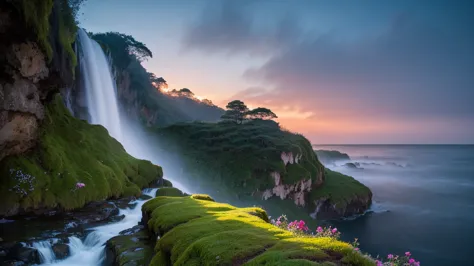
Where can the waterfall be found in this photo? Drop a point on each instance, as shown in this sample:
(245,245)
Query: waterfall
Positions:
(99,86)
(45,251)
(91,250)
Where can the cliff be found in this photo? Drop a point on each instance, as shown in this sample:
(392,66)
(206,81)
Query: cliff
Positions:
(258,161)
(44,151)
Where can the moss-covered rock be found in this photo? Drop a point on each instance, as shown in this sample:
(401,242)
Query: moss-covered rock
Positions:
(170,192)
(131,247)
(339,196)
(204,232)
(331,156)
(70,151)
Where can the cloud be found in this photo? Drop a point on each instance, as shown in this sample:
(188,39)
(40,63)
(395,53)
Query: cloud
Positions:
(417,70)
(229,27)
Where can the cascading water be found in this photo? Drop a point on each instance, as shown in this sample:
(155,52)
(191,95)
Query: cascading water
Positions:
(99,85)
(91,251)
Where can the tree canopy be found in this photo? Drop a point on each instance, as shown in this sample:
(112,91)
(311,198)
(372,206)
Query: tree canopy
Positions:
(123,47)
(238,112)
(261,113)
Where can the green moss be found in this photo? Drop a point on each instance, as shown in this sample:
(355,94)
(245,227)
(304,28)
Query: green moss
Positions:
(208,233)
(71,151)
(239,158)
(202,197)
(170,192)
(132,249)
(36,14)
(339,188)
(167,183)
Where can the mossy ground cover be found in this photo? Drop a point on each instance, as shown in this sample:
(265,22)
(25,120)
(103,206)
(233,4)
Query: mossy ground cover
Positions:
(71,151)
(239,156)
(339,188)
(203,232)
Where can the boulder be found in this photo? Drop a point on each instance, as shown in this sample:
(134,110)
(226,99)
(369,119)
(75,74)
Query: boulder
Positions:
(131,247)
(61,250)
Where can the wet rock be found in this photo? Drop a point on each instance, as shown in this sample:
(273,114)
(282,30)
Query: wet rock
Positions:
(14,263)
(29,60)
(21,252)
(131,247)
(95,212)
(144,197)
(133,230)
(61,250)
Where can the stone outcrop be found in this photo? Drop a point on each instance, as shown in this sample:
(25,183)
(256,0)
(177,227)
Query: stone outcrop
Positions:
(296,191)
(131,247)
(326,209)
(26,80)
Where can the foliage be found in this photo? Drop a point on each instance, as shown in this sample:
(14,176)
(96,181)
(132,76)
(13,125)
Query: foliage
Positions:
(236,112)
(395,260)
(261,113)
(70,151)
(204,232)
(36,14)
(123,48)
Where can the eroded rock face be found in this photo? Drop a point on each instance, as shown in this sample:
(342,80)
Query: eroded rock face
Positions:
(18,132)
(296,191)
(29,60)
(325,209)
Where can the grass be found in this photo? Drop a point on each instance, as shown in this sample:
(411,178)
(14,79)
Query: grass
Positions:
(71,151)
(205,232)
(339,188)
(240,157)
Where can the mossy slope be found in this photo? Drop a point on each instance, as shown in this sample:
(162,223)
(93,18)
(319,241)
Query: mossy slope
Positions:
(240,157)
(70,151)
(340,189)
(204,232)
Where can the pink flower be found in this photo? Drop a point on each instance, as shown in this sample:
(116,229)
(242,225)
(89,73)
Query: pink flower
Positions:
(80,185)
(390,256)
(356,249)
(408,254)
(334,230)
(416,263)
(378,263)
(278,223)
(319,229)
(411,261)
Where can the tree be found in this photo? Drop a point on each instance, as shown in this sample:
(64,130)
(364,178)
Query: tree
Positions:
(123,48)
(261,113)
(186,92)
(236,111)
(158,83)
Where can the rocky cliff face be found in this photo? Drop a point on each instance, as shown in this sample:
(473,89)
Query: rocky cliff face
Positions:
(296,191)
(327,209)
(26,80)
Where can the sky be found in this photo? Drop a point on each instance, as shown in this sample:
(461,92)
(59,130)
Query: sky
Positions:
(339,72)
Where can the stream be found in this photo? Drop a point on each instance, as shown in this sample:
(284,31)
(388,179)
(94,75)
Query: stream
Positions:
(91,250)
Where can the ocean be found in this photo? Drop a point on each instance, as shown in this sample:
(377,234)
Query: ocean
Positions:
(423,201)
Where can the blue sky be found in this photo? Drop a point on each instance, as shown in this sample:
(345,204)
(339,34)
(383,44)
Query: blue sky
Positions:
(337,71)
